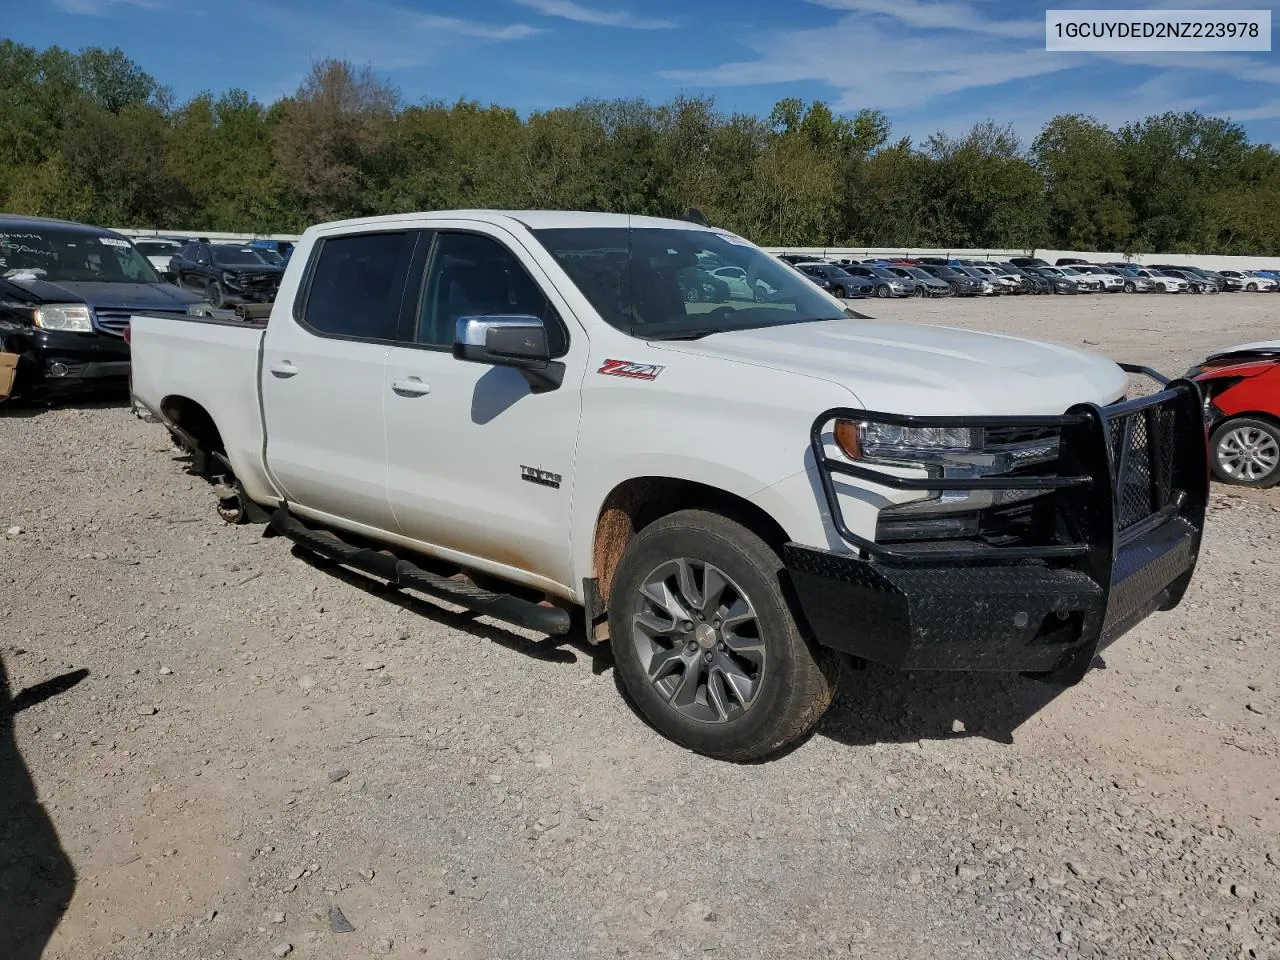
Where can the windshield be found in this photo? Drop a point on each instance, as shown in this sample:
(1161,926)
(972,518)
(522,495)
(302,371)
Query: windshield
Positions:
(156,248)
(884,273)
(53,254)
(917,273)
(947,272)
(652,282)
(1070,272)
(227,255)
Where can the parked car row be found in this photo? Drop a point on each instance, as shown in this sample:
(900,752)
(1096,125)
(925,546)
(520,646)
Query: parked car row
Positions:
(928,276)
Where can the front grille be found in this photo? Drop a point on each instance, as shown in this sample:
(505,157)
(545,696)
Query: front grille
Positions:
(1142,449)
(113,322)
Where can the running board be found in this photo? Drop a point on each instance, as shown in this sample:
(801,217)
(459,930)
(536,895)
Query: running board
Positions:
(523,613)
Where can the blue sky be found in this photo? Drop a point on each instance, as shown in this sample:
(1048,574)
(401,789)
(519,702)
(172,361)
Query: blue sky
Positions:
(930,64)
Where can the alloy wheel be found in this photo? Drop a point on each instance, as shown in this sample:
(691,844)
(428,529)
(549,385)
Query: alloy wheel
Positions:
(1248,454)
(698,638)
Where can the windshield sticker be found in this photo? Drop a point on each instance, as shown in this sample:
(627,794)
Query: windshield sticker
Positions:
(732,238)
(630,370)
(20,236)
(112,242)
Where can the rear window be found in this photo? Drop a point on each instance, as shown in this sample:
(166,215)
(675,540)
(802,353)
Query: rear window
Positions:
(357,284)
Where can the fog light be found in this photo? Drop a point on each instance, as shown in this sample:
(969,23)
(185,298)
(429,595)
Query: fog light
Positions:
(58,370)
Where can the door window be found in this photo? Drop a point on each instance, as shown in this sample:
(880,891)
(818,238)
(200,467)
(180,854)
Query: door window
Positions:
(472,275)
(357,286)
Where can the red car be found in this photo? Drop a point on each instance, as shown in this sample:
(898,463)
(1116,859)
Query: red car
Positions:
(1242,406)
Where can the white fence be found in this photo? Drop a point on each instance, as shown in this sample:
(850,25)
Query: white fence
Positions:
(211,235)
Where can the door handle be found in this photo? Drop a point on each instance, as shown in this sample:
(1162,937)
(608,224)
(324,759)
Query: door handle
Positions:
(410,387)
(284,369)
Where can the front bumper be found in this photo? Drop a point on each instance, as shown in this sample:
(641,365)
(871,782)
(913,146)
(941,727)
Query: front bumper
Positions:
(62,361)
(1129,507)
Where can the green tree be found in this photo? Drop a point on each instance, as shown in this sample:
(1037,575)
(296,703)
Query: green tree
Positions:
(1087,193)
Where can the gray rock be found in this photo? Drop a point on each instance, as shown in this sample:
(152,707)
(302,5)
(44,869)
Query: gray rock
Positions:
(282,949)
(339,774)
(338,922)
(147,711)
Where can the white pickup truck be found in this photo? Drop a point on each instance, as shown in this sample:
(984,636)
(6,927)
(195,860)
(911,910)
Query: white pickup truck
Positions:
(529,414)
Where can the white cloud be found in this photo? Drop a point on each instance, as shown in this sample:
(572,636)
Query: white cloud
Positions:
(917,58)
(473,28)
(569,10)
(382,35)
(938,16)
(100,8)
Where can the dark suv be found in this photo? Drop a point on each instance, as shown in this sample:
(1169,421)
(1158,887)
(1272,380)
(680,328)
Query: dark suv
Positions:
(67,292)
(227,273)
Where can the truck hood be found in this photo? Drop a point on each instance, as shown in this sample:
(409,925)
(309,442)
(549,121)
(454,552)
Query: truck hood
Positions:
(924,370)
(109,296)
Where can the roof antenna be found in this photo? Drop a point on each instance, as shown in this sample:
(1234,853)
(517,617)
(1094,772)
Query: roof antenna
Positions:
(695,216)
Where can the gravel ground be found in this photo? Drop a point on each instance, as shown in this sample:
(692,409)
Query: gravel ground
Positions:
(260,739)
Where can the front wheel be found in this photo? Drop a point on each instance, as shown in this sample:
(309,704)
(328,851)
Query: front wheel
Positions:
(917,291)
(216,295)
(1130,287)
(1246,452)
(882,291)
(840,293)
(1251,287)
(706,644)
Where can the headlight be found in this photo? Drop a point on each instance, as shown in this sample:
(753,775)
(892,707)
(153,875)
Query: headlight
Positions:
(230,279)
(944,452)
(65,316)
(887,443)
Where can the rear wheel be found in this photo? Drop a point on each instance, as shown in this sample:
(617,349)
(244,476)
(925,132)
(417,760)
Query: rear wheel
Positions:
(705,642)
(1246,452)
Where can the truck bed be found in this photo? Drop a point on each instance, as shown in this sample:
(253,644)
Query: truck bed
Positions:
(215,363)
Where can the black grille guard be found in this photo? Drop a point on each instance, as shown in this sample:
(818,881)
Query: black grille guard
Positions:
(1100,448)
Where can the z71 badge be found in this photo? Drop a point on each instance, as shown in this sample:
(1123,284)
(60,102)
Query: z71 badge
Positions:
(634,371)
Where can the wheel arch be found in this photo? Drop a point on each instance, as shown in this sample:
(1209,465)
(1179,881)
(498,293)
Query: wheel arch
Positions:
(635,503)
(195,425)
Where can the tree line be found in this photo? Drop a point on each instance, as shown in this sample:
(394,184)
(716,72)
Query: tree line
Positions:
(90,136)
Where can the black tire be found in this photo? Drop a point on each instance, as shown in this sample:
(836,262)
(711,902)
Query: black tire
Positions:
(216,296)
(1130,287)
(882,291)
(840,292)
(796,680)
(917,291)
(955,288)
(1268,434)
(1251,287)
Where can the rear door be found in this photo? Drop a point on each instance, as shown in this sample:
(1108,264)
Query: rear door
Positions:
(323,384)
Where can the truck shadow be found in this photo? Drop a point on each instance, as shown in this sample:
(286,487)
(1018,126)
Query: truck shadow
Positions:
(548,649)
(879,705)
(36,876)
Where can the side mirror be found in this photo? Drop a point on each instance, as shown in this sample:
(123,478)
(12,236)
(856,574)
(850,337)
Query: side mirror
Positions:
(510,341)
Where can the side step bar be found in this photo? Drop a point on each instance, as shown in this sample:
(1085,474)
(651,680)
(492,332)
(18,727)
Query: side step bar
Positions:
(402,573)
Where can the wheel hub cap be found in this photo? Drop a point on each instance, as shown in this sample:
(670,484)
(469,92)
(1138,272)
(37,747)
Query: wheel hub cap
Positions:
(698,638)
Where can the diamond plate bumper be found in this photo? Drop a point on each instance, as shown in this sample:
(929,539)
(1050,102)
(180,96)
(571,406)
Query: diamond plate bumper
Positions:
(1016,618)
(1128,497)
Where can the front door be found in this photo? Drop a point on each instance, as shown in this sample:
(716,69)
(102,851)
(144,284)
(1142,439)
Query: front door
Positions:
(323,378)
(478,464)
